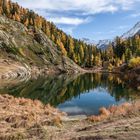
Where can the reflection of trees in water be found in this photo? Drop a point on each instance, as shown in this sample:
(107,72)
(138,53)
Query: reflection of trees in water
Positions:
(56,90)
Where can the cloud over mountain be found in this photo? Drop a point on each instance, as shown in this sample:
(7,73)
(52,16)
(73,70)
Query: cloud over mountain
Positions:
(77,12)
(85,6)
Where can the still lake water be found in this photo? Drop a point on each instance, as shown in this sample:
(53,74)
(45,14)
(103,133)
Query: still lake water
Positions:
(76,95)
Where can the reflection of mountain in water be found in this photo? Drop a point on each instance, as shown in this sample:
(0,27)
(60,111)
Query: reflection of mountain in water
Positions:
(56,90)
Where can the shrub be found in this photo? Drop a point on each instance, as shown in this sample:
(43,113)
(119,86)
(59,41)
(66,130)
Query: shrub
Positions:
(134,62)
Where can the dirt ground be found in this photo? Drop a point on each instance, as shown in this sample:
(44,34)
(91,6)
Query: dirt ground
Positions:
(121,127)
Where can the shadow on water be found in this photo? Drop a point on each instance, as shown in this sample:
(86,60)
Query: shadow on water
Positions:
(77,94)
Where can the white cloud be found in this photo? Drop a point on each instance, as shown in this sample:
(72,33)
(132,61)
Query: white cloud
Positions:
(135,15)
(126,4)
(85,6)
(68,20)
(68,29)
(75,12)
(122,27)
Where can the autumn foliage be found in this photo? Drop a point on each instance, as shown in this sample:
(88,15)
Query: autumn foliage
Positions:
(85,55)
(77,50)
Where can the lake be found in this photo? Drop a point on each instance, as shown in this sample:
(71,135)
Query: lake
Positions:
(75,94)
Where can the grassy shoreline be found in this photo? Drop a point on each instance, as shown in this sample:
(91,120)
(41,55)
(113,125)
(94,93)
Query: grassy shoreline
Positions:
(27,119)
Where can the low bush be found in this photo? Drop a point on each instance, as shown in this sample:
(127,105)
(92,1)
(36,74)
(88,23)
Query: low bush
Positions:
(134,62)
(121,110)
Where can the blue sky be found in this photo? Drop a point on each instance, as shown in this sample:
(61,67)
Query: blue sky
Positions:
(93,19)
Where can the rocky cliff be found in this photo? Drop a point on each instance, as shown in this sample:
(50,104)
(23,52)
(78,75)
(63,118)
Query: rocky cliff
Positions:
(24,51)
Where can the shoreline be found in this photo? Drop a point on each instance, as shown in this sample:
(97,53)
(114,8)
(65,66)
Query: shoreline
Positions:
(14,70)
(11,70)
(27,119)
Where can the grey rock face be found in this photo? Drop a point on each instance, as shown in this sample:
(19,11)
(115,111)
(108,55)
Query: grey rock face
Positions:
(30,50)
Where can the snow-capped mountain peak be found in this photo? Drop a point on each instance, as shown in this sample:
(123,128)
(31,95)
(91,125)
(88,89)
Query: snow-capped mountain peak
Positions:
(103,44)
(135,30)
(90,42)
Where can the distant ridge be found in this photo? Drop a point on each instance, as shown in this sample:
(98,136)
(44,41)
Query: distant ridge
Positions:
(132,32)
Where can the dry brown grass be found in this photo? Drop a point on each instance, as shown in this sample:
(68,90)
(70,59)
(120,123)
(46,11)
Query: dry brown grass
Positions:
(121,110)
(20,114)
(27,119)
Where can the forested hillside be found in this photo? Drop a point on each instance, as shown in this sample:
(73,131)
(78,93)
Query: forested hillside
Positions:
(77,50)
(119,52)
(122,51)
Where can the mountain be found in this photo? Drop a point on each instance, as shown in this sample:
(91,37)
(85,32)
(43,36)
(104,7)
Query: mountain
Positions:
(35,44)
(103,44)
(89,42)
(23,51)
(135,30)
(70,47)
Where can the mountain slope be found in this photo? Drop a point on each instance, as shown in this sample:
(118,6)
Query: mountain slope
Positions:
(103,44)
(88,41)
(31,49)
(75,49)
(132,32)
